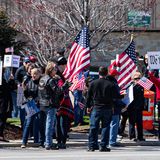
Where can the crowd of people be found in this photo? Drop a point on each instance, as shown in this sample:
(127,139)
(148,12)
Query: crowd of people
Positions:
(48,91)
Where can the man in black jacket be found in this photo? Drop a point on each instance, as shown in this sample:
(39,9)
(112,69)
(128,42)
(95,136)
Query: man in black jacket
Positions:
(100,97)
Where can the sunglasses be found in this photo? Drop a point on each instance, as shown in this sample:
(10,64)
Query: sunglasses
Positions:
(137,78)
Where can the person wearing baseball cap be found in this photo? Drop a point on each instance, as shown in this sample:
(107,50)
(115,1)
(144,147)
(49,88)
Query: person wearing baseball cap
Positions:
(65,114)
(118,105)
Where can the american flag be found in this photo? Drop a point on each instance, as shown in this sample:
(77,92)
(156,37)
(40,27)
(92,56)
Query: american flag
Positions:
(7,50)
(78,84)
(145,83)
(79,57)
(126,64)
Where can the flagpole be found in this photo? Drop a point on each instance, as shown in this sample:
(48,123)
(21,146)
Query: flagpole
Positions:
(132,36)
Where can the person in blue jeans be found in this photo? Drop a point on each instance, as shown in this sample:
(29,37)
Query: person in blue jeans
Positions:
(49,94)
(118,105)
(31,94)
(100,96)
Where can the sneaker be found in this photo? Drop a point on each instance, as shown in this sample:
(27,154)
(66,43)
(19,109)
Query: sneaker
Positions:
(104,149)
(61,146)
(141,139)
(41,146)
(23,146)
(91,149)
(115,145)
(47,147)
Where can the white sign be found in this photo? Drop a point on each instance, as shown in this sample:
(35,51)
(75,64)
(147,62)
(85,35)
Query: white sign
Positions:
(154,60)
(11,61)
(129,96)
(1,72)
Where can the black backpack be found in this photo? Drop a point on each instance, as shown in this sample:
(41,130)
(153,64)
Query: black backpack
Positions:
(48,92)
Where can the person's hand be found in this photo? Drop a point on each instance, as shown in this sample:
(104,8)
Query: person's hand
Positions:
(89,110)
(66,85)
(11,76)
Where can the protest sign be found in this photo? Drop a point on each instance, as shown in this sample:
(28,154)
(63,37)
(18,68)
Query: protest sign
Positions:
(129,96)
(30,108)
(154,60)
(11,61)
(1,72)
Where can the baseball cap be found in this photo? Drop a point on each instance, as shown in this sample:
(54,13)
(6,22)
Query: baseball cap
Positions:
(113,72)
(61,60)
(26,59)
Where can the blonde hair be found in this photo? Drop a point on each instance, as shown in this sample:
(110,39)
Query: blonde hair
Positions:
(50,66)
(36,71)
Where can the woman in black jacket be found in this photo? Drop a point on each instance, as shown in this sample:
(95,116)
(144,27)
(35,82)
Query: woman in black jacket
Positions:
(31,93)
(135,110)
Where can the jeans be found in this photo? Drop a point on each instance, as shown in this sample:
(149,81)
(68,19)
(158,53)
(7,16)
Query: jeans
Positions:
(22,116)
(47,125)
(62,128)
(104,115)
(14,102)
(78,113)
(114,129)
(27,126)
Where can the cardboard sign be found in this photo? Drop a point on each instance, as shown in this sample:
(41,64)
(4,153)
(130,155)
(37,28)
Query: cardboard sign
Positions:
(1,63)
(11,61)
(154,60)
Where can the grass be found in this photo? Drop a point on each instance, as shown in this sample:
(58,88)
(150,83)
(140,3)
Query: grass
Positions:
(86,119)
(14,121)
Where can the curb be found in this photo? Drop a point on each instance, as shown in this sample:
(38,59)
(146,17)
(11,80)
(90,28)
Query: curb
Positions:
(83,143)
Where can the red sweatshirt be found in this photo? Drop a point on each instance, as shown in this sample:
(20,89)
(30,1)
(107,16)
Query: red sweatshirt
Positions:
(156,82)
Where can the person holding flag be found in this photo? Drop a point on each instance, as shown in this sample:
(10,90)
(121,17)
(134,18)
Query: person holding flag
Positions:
(135,109)
(65,113)
(78,61)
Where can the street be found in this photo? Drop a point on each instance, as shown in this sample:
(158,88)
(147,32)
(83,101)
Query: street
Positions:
(80,153)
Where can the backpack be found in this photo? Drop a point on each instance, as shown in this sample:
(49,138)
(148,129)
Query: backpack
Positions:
(49,92)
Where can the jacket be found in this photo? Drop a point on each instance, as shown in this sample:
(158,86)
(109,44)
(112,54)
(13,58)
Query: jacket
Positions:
(101,93)
(139,100)
(19,75)
(118,104)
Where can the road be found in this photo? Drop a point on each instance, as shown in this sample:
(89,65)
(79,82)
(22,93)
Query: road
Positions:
(80,153)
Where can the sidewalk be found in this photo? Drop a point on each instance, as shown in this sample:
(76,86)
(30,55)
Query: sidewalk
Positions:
(81,139)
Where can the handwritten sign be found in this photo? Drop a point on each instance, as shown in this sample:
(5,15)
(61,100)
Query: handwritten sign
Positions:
(154,60)
(11,61)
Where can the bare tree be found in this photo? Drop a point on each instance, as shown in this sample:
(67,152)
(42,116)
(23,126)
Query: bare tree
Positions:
(52,23)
